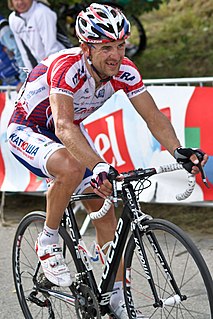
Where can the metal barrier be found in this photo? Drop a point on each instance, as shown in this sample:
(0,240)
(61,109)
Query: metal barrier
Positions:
(207,81)
(202,81)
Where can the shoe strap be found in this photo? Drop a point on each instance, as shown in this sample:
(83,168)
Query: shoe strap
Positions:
(51,250)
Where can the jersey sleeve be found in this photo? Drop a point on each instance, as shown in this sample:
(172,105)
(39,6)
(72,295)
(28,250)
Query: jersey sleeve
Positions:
(129,79)
(59,76)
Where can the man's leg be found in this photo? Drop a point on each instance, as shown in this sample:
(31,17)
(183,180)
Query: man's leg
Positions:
(105,231)
(67,173)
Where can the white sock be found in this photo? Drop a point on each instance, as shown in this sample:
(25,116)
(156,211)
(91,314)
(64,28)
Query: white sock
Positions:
(117,294)
(49,236)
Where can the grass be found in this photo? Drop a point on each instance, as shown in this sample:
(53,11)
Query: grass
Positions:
(190,218)
(180,40)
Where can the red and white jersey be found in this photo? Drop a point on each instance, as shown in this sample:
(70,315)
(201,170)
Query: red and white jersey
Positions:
(66,73)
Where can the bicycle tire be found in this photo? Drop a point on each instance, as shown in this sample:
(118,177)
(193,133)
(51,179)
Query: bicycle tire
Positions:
(138,40)
(188,267)
(24,261)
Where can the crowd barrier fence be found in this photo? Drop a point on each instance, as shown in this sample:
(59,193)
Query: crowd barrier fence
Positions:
(199,81)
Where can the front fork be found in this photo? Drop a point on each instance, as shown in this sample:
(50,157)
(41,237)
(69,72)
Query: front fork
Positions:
(178,297)
(140,229)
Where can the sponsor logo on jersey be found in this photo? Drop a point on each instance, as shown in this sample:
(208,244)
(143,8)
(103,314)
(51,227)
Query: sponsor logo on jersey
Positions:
(61,90)
(22,145)
(78,75)
(35,92)
(100,93)
(137,91)
(126,76)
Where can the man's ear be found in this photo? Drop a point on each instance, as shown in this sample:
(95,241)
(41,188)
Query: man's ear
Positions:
(85,49)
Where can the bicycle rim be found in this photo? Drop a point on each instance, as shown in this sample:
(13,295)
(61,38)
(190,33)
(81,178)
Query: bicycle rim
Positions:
(137,41)
(24,264)
(188,268)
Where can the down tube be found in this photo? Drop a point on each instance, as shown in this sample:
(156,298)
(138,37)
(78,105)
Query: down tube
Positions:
(116,251)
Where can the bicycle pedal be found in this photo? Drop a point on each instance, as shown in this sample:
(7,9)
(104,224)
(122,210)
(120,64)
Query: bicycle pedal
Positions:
(43,282)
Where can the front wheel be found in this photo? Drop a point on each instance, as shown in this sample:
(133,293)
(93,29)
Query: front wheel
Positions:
(187,266)
(28,274)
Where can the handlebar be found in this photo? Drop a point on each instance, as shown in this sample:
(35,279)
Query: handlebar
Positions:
(141,174)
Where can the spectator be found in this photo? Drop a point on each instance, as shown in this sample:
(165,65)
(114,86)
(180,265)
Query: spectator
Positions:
(10,57)
(34,26)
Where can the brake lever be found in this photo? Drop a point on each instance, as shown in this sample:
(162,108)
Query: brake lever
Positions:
(203,175)
(112,178)
(114,193)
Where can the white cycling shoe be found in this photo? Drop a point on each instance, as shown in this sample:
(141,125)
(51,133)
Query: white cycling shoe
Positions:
(53,264)
(121,312)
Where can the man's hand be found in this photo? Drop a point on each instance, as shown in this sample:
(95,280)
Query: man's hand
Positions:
(192,160)
(99,181)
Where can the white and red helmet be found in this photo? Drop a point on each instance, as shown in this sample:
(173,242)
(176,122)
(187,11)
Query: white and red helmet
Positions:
(101,23)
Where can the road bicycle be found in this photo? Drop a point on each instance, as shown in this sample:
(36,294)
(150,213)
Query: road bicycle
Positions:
(165,275)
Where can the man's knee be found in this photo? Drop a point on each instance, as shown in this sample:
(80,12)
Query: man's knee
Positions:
(64,167)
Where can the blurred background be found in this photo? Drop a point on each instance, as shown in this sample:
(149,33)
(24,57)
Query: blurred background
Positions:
(174,38)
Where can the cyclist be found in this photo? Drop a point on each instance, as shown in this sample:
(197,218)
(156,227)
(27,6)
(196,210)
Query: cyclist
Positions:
(46,135)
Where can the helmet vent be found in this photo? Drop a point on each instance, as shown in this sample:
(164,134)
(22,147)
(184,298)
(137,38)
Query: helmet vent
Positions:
(114,13)
(120,26)
(84,22)
(107,27)
(102,14)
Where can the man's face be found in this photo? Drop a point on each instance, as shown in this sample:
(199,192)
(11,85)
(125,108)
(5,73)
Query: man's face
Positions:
(107,57)
(22,6)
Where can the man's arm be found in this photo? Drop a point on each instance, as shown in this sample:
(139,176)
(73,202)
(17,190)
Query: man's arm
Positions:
(157,122)
(48,21)
(69,133)
(161,127)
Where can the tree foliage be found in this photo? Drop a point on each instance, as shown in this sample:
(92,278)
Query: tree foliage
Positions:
(132,6)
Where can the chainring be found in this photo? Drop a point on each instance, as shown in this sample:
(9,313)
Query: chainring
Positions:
(86,303)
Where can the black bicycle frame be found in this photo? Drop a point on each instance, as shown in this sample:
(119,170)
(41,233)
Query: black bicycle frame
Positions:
(70,221)
(116,248)
(128,217)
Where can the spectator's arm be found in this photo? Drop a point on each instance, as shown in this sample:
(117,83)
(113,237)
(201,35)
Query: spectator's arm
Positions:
(48,31)
(8,40)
